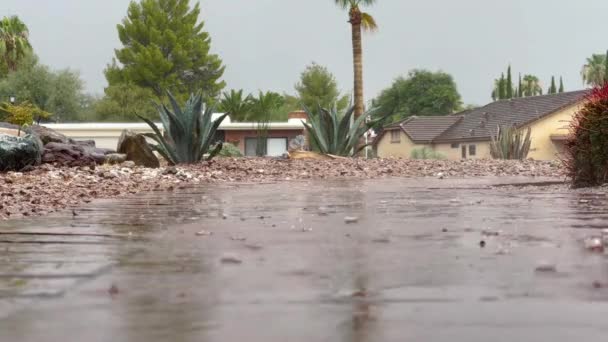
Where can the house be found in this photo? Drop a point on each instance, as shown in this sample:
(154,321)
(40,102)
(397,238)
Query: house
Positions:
(467,135)
(242,134)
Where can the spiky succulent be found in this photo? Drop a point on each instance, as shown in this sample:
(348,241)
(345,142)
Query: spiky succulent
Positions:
(335,136)
(189,132)
(511,143)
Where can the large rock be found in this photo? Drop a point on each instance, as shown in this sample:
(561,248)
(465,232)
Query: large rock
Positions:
(48,135)
(70,155)
(17,153)
(137,150)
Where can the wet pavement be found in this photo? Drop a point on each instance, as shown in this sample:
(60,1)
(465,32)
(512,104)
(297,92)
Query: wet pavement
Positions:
(385,260)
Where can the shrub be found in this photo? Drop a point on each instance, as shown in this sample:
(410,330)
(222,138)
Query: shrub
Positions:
(21,115)
(511,143)
(586,149)
(426,153)
(188,132)
(230,150)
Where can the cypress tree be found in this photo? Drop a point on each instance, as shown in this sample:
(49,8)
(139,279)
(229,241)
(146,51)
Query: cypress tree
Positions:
(165,48)
(502,92)
(552,88)
(509,87)
(520,89)
(561,85)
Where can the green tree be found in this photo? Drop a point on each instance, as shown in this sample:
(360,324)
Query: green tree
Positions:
(520,89)
(56,92)
(421,93)
(123,103)
(594,70)
(509,87)
(359,21)
(552,87)
(267,106)
(14,42)
(531,86)
(318,87)
(165,48)
(561,85)
(236,104)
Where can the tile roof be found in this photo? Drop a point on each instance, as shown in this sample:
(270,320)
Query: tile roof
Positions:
(426,128)
(481,123)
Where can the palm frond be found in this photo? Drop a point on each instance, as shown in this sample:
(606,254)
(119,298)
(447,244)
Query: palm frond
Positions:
(368,23)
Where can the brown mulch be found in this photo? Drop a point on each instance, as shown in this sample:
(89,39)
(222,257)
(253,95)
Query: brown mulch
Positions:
(48,188)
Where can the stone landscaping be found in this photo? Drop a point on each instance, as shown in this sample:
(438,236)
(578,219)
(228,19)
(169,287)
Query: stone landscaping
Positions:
(50,188)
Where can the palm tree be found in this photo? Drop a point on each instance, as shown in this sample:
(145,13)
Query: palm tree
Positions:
(14,41)
(531,86)
(236,104)
(359,21)
(594,71)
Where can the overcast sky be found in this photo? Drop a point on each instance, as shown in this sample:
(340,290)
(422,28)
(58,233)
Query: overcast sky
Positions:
(265,44)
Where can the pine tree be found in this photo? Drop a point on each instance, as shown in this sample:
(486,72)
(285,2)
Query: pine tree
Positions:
(509,87)
(561,85)
(520,89)
(165,48)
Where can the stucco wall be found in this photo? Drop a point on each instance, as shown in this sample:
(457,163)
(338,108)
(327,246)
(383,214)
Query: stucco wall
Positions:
(402,149)
(482,147)
(542,147)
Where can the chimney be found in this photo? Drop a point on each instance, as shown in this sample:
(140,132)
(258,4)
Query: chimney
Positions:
(298,114)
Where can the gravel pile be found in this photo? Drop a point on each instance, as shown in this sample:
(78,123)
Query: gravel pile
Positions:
(48,188)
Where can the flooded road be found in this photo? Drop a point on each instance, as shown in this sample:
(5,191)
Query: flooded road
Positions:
(384,260)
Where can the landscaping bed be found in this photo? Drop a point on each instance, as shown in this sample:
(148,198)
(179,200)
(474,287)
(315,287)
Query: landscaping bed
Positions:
(48,188)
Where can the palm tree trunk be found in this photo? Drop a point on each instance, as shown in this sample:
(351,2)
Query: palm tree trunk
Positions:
(355,21)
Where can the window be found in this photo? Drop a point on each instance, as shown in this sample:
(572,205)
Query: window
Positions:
(464,151)
(472,150)
(455,145)
(274,147)
(395,136)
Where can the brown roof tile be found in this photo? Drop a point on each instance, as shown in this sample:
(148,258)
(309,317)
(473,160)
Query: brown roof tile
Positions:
(423,129)
(481,123)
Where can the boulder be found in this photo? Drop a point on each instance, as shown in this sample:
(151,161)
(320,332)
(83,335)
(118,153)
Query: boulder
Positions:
(17,153)
(137,150)
(69,155)
(48,135)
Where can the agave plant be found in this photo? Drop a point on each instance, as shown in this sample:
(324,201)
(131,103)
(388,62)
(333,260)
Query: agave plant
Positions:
(511,143)
(336,136)
(188,132)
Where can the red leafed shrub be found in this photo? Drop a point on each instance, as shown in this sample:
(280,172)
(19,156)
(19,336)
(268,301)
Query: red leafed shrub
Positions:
(587,145)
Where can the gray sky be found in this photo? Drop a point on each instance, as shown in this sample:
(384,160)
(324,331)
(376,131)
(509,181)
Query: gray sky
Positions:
(265,44)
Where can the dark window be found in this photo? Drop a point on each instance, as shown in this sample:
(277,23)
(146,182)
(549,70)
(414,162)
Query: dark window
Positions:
(455,145)
(464,151)
(472,150)
(251,146)
(396,136)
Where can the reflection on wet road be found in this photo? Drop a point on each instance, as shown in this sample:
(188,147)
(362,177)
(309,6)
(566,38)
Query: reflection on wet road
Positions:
(279,262)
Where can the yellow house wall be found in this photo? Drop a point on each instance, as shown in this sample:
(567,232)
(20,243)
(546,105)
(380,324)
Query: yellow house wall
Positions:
(483,150)
(542,147)
(402,149)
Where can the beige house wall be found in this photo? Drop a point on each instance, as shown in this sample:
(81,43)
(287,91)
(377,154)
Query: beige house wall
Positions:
(542,147)
(482,150)
(401,149)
